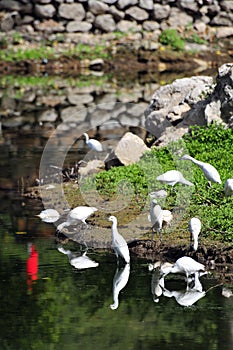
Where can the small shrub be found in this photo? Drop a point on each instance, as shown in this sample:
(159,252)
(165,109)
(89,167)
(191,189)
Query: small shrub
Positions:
(172,38)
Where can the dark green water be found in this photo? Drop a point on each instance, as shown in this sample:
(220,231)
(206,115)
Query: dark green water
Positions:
(66,308)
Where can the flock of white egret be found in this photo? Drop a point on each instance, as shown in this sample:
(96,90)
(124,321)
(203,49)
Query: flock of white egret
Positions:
(157,216)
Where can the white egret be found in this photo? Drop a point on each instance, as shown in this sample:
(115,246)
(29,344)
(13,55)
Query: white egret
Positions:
(79,262)
(185,265)
(209,170)
(172,177)
(228,187)
(118,242)
(194,229)
(49,215)
(93,143)
(187,297)
(156,218)
(80,213)
(120,280)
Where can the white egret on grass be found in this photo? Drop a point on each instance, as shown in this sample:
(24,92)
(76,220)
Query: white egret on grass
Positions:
(185,265)
(49,215)
(80,213)
(228,187)
(79,262)
(156,218)
(172,177)
(194,229)
(93,144)
(120,280)
(209,170)
(118,242)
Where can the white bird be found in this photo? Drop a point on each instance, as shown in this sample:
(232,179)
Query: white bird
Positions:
(209,170)
(118,242)
(172,177)
(80,213)
(79,262)
(156,218)
(49,215)
(93,143)
(228,187)
(185,265)
(194,229)
(120,280)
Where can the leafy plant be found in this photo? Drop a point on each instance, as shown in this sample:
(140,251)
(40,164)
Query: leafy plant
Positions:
(172,38)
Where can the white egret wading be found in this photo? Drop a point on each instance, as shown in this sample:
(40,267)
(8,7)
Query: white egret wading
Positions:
(118,242)
(119,282)
(209,170)
(194,229)
(172,177)
(80,213)
(93,144)
(49,215)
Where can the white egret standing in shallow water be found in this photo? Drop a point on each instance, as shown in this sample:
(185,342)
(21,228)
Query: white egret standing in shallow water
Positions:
(194,229)
(118,242)
(49,215)
(93,143)
(228,187)
(172,177)
(80,213)
(210,172)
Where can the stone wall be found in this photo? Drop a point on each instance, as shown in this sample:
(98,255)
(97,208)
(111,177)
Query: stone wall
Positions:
(72,16)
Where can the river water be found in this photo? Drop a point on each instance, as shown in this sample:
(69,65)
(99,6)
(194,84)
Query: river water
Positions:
(48,304)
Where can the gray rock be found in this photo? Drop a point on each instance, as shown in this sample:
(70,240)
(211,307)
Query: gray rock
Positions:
(74,114)
(128,26)
(117,14)
(49,115)
(150,25)
(137,13)
(128,151)
(49,26)
(222,18)
(122,4)
(97,7)
(7,23)
(99,116)
(146,4)
(72,11)
(105,23)
(189,5)
(161,12)
(179,18)
(45,11)
(224,32)
(78,26)
(79,99)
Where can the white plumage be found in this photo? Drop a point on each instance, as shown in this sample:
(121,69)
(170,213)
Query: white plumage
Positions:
(228,187)
(172,177)
(185,265)
(93,143)
(118,242)
(156,218)
(194,229)
(209,170)
(49,215)
(119,282)
(80,213)
(79,262)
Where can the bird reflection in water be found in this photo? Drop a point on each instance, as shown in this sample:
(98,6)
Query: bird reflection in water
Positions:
(120,280)
(79,262)
(32,266)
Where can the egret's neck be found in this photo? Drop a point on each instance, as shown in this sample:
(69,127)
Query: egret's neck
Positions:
(86,137)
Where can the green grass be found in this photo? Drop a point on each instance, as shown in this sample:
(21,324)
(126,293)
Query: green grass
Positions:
(212,144)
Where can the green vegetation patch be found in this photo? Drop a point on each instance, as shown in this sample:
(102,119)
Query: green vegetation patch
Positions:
(212,144)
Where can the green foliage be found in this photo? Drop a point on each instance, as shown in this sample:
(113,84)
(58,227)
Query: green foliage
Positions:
(195,38)
(212,144)
(172,38)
